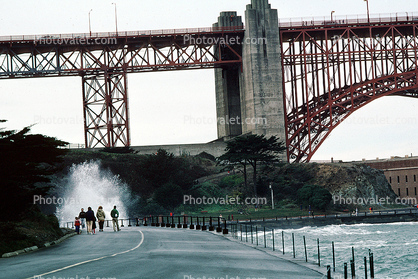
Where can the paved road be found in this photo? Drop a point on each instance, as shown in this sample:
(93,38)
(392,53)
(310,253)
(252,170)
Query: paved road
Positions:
(149,252)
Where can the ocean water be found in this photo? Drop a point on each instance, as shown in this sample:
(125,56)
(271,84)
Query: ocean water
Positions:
(394,247)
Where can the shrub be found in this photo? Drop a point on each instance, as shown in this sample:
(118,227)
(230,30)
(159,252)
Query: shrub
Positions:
(314,195)
(169,195)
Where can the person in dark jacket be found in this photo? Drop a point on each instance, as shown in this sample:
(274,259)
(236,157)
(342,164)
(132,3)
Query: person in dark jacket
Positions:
(90,219)
(82,217)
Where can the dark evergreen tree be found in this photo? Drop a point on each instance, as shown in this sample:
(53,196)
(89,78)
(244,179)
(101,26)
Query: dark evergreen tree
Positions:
(253,150)
(26,161)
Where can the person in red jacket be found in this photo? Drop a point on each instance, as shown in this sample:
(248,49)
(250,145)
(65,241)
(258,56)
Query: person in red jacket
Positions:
(77,224)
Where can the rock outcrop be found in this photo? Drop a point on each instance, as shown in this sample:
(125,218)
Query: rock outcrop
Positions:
(354,185)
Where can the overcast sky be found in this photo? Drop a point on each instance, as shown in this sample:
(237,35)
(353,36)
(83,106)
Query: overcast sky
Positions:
(179,107)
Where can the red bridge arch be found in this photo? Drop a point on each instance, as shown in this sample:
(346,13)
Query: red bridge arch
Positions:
(331,69)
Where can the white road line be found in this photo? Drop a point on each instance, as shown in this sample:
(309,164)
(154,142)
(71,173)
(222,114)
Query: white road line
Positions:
(89,261)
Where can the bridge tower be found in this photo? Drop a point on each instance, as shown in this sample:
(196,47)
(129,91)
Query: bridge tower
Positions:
(258,82)
(227,85)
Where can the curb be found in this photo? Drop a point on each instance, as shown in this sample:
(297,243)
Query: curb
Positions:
(34,248)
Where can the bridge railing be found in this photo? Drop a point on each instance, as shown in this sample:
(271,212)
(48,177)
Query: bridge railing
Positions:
(120,34)
(349,19)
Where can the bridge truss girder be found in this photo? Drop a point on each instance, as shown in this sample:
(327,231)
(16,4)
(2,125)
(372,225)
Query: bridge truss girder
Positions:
(105,105)
(103,63)
(330,72)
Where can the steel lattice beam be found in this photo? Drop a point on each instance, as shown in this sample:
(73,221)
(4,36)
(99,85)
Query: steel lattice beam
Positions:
(79,54)
(331,71)
(105,110)
(104,60)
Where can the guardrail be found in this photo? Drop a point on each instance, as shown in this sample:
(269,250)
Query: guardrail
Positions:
(199,223)
(221,224)
(285,23)
(122,34)
(349,20)
(193,222)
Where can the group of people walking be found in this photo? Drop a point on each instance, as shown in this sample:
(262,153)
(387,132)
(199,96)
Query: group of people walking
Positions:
(88,218)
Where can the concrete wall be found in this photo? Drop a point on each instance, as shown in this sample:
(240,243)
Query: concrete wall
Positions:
(216,148)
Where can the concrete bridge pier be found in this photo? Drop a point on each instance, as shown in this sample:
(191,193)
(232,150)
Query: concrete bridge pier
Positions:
(254,93)
(227,86)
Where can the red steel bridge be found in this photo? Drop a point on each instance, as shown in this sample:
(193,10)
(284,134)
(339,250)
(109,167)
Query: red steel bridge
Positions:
(329,69)
(103,61)
(333,68)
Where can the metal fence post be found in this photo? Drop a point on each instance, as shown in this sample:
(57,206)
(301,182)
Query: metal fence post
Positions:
(204,225)
(219,228)
(283,241)
(191,223)
(179,225)
(265,245)
(293,243)
(211,228)
(353,269)
(333,256)
(365,267)
(371,264)
(225,230)
(197,223)
(319,255)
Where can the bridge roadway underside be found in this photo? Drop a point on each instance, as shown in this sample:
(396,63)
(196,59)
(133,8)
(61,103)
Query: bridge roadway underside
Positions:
(162,253)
